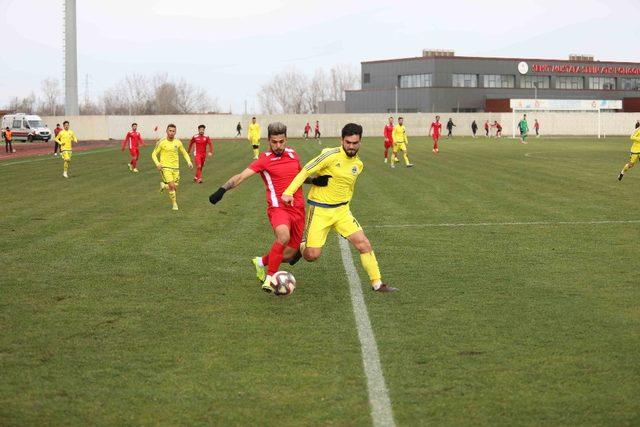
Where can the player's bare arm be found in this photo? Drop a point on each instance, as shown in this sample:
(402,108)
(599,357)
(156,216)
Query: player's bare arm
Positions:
(233,182)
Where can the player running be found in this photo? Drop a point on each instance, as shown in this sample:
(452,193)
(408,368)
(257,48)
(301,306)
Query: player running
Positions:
(486,129)
(278,167)
(388,138)
(133,140)
(254,137)
(66,138)
(316,134)
(434,132)
(523,126)
(165,156)
(200,142)
(635,153)
(329,206)
(400,142)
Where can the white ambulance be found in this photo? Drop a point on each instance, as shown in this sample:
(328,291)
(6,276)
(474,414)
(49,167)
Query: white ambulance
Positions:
(26,127)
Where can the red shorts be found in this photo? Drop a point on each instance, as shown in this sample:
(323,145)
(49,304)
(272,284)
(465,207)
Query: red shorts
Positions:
(134,152)
(200,159)
(388,143)
(435,136)
(291,217)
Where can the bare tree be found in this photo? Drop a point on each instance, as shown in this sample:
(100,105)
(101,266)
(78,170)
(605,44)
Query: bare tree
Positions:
(285,93)
(23,105)
(342,78)
(165,99)
(51,92)
(192,99)
(317,92)
(138,93)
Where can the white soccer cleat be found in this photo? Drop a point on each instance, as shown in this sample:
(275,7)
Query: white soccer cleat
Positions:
(175,207)
(136,170)
(385,160)
(65,174)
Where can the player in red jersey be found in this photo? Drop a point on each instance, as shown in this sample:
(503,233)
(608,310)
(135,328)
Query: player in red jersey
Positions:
(133,140)
(307,128)
(486,129)
(278,167)
(434,132)
(316,134)
(388,138)
(200,141)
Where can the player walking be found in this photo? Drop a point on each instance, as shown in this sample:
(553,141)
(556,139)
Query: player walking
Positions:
(254,137)
(66,138)
(474,128)
(165,156)
(277,167)
(635,153)
(200,142)
(486,129)
(329,206)
(523,126)
(434,132)
(307,128)
(450,126)
(133,140)
(536,127)
(317,132)
(400,142)
(388,138)
(238,130)
(56,146)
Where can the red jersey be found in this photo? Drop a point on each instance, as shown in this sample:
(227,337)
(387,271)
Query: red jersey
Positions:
(436,127)
(56,131)
(498,126)
(388,132)
(536,125)
(133,140)
(277,173)
(486,125)
(201,142)
(307,127)
(317,126)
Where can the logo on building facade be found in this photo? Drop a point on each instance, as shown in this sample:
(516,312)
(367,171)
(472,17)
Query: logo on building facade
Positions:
(523,67)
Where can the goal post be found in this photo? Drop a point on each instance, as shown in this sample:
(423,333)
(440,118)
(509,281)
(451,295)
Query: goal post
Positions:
(559,105)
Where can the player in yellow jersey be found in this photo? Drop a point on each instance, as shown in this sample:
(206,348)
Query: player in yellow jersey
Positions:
(66,137)
(168,163)
(400,142)
(635,153)
(329,206)
(253,136)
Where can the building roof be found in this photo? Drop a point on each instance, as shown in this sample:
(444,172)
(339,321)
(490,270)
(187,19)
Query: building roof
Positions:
(490,58)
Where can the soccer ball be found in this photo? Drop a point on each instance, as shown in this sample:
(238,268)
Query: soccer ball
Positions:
(283,283)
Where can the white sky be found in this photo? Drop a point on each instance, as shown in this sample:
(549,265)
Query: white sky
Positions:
(231,48)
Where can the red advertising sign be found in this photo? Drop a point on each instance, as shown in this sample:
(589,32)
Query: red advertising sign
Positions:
(585,69)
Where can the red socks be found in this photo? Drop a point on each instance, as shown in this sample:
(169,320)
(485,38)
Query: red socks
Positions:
(274,258)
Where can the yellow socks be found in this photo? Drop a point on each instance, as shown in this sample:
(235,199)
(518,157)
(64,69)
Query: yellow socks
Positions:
(370,264)
(172,196)
(256,152)
(625,168)
(406,158)
(66,166)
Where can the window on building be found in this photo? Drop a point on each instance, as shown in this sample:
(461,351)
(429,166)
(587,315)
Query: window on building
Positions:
(630,84)
(366,78)
(602,83)
(529,82)
(464,80)
(499,80)
(569,82)
(415,80)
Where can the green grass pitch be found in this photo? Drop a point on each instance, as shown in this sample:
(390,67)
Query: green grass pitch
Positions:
(116,310)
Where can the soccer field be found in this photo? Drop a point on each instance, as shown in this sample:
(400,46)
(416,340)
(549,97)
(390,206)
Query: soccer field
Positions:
(516,264)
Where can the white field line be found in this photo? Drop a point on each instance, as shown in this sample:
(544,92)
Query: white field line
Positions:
(381,412)
(498,224)
(50,157)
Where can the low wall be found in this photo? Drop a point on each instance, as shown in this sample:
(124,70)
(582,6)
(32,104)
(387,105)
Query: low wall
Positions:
(224,126)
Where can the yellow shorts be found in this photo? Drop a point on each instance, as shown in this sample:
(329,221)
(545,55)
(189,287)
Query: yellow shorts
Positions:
(66,155)
(320,220)
(399,146)
(633,159)
(170,175)
(254,141)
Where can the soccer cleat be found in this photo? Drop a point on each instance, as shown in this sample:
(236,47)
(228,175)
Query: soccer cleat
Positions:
(130,166)
(162,186)
(260,273)
(409,165)
(384,288)
(385,160)
(55,154)
(620,176)
(136,170)
(435,151)
(195,180)
(393,165)
(65,174)
(175,207)
(266,285)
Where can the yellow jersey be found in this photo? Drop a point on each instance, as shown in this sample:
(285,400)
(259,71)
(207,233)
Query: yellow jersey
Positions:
(65,138)
(254,132)
(635,137)
(344,171)
(168,152)
(399,134)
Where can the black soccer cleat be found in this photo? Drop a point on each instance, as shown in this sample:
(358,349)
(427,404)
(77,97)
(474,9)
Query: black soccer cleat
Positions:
(620,177)
(385,288)
(296,257)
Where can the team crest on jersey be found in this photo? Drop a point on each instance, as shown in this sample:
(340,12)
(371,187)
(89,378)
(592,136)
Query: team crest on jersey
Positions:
(354,170)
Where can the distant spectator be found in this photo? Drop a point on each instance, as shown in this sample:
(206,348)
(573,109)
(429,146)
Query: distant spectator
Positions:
(56,147)
(450,126)
(536,127)
(637,124)
(238,129)
(8,138)
(474,128)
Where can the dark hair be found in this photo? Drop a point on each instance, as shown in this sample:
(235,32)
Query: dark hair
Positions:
(66,122)
(201,126)
(400,118)
(351,129)
(57,124)
(253,117)
(171,125)
(276,128)
(134,124)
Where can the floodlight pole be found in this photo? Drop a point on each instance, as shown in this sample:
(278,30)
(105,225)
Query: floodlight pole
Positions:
(70,59)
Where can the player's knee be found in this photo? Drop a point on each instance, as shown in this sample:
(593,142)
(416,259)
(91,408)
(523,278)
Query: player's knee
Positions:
(311,254)
(363,246)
